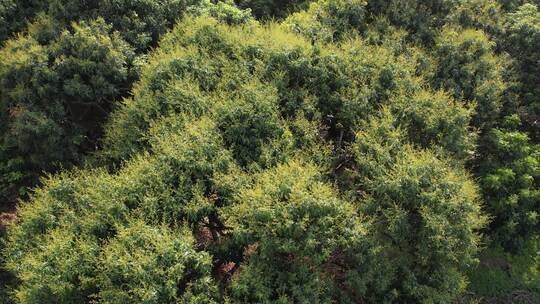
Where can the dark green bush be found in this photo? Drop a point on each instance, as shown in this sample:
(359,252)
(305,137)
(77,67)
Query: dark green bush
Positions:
(139,22)
(522,42)
(510,178)
(267,9)
(60,77)
(55,97)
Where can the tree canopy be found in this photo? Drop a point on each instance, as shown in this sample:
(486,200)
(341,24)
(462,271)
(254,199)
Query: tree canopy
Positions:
(330,151)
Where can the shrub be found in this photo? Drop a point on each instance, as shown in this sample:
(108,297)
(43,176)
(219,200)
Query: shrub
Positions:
(172,271)
(522,42)
(329,20)
(61,76)
(266,9)
(139,22)
(427,213)
(471,72)
(88,228)
(324,172)
(303,243)
(509,178)
(421,19)
(55,96)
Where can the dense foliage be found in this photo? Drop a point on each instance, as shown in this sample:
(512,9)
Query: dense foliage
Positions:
(331,151)
(55,96)
(65,64)
(140,22)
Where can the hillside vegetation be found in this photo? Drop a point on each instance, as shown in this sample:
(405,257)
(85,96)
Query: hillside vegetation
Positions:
(264,151)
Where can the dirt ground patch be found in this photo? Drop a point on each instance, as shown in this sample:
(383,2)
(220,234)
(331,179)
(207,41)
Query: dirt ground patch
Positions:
(7,213)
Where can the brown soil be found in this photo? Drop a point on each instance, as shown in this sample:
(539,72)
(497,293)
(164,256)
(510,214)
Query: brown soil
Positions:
(7,213)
